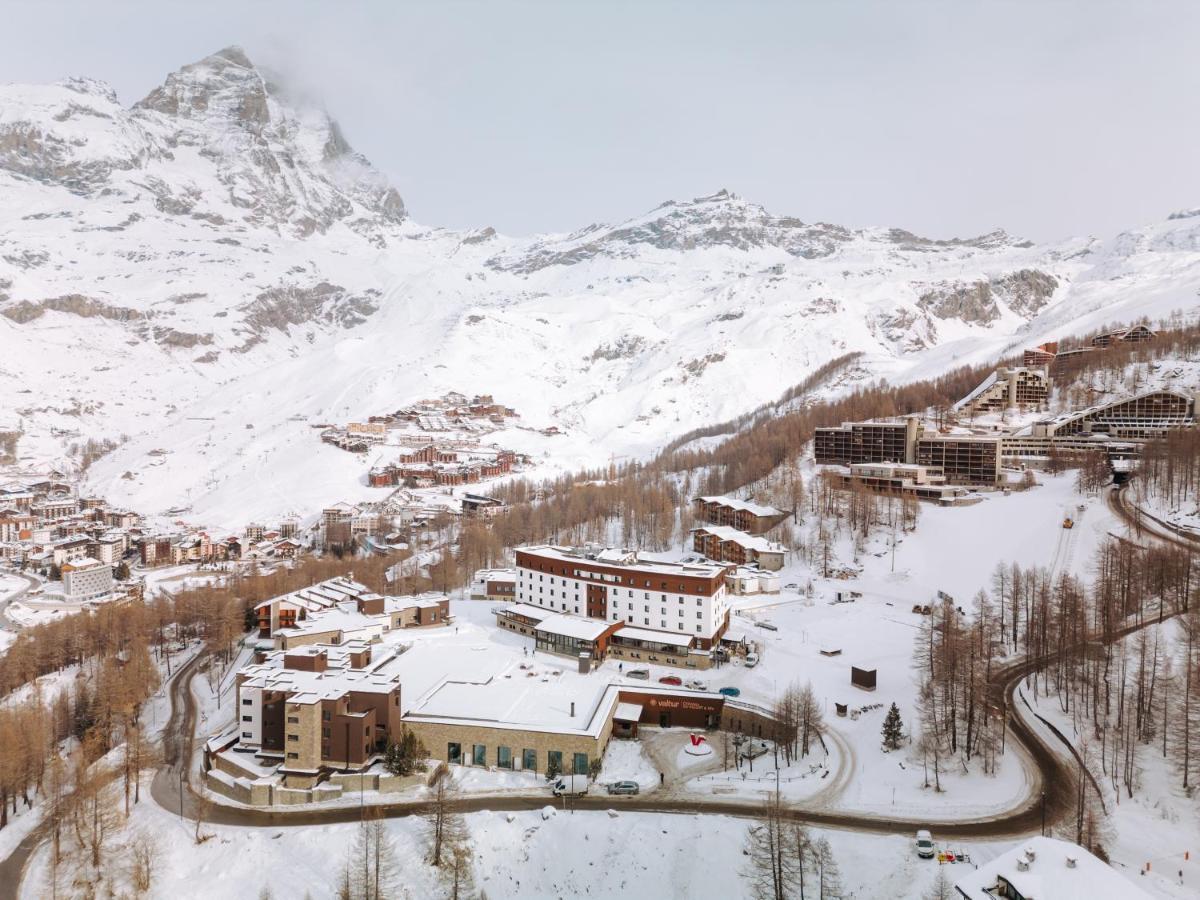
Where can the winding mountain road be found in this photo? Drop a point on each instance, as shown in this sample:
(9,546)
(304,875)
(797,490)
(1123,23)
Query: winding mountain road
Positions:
(1051,797)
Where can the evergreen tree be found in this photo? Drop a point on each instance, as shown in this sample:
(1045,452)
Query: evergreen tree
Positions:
(406,756)
(893,729)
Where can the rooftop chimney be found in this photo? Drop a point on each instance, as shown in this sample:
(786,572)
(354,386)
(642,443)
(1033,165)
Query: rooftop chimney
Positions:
(1070,862)
(572,709)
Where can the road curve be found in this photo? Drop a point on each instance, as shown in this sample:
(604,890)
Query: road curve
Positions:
(1054,776)
(1140,522)
(1052,773)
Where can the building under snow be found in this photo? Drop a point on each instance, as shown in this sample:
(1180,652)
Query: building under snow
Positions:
(1043,868)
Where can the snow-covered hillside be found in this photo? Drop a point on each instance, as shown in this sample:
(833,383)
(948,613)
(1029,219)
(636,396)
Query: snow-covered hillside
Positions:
(213,270)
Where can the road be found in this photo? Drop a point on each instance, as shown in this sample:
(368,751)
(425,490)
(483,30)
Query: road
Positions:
(31,583)
(1053,776)
(1141,523)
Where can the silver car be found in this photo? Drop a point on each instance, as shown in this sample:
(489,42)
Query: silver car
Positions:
(624,787)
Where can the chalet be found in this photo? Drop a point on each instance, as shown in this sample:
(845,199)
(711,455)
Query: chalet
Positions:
(721,543)
(288,548)
(743,515)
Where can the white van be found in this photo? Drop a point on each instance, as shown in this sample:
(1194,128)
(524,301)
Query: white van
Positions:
(751,660)
(570,786)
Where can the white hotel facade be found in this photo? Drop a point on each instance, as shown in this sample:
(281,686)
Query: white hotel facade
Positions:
(617,586)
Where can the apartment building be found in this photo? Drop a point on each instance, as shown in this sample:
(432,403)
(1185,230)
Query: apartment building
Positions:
(1135,335)
(744,515)
(1007,388)
(721,543)
(494,584)
(1147,415)
(623,586)
(318,708)
(867,442)
(906,480)
(961,458)
(86,580)
(340,610)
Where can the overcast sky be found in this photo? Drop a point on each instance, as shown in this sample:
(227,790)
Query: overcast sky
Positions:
(1045,118)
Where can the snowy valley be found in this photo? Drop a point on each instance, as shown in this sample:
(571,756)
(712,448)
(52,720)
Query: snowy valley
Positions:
(213,271)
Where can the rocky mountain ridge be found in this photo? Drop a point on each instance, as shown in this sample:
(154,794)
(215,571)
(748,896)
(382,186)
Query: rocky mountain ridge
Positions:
(214,267)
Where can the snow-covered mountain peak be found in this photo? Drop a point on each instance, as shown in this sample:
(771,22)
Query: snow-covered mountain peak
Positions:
(214,269)
(224,85)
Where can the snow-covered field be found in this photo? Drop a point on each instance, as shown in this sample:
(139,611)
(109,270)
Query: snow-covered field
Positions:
(515,855)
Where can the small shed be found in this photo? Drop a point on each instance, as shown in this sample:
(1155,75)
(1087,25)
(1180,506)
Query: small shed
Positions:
(626,718)
(862,678)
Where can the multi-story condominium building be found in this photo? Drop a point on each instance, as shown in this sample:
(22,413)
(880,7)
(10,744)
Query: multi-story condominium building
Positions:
(318,708)
(1144,416)
(867,442)
(724,544)
(1135,335)
(69,550)
(622,586)
(15,525)
(494,584)
(1007,388)
(752,518)
(961,458)
(86,579)
(906,480)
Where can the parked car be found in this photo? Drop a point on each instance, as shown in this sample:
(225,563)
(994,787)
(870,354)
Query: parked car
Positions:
(696,684)
(670,679)
(924,844)
(624,787)
(751,660)
(753,749)
(731,691)
(570,786)
(770,626)
(640,674)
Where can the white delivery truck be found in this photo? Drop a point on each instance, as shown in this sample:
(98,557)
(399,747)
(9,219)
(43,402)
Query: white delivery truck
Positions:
(569,786)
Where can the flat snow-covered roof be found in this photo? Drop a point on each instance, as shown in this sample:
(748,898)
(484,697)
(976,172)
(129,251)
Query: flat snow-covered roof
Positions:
(572,626)
(658,637)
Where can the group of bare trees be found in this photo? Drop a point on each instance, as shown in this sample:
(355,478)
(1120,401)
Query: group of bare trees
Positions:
(1169,469)
(446,832)
(1109,653)
(784,861)
(799,721)
(960,720)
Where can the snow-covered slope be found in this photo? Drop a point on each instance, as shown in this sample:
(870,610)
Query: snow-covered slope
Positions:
(212,270)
